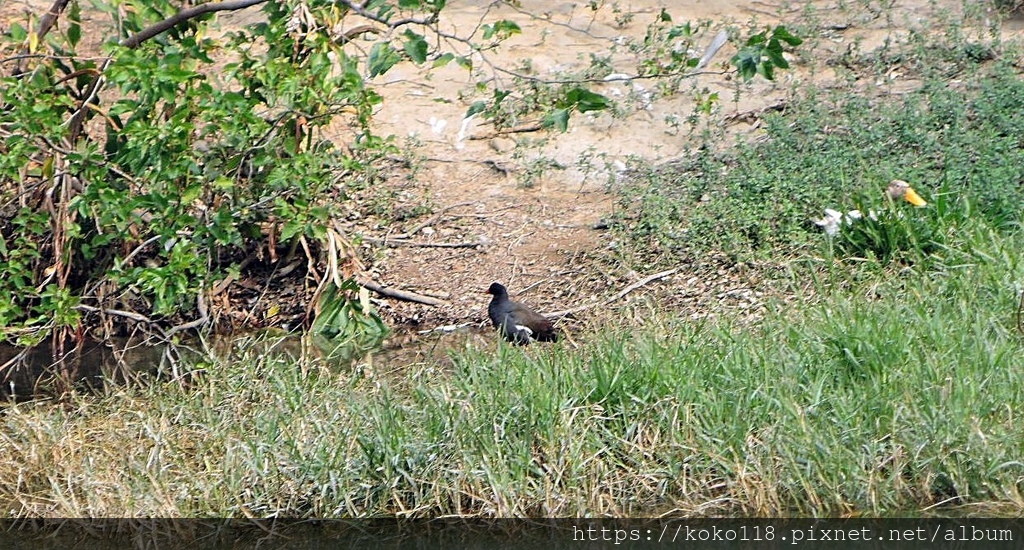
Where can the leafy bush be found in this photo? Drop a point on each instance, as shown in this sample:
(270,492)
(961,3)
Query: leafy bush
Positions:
(138,180)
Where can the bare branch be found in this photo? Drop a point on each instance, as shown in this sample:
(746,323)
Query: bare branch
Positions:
(138,38)
(45,24)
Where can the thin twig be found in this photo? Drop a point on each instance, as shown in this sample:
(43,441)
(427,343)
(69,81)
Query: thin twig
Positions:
(615,298)
(525,128)
(687,73)
(433,219)
(360,9)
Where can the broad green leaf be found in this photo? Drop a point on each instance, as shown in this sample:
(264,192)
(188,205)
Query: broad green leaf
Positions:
(382,57)
(191,193)
(476,107)
(501,29)
(75,28)
(18,33)
(776,57)
(500,95)
(757,39)
(557,119)
(746,62)
(585,100)
(415,47)
(784,35)
(444,59)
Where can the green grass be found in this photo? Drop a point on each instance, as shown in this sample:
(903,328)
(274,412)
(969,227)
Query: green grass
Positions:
(957,142)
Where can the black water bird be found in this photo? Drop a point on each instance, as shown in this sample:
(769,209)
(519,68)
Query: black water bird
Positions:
(517,323)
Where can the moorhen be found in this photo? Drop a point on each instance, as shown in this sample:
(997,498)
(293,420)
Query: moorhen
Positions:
(516,322)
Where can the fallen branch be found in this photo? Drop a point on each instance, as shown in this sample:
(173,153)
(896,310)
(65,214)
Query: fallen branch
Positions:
(753,115)
(400,294)
(526,128)
(403,242)
(623,292)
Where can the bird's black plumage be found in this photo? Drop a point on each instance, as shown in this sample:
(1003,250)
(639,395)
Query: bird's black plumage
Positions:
(517,323)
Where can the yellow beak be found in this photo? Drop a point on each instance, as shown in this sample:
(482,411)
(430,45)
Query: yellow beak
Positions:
(913,198)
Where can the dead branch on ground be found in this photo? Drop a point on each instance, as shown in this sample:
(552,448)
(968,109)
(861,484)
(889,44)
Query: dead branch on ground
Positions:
(400,294)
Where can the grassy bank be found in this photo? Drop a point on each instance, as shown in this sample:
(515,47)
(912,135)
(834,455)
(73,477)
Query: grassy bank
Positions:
(901,395)
(894,387)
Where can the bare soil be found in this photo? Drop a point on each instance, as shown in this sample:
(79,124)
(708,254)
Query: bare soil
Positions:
(541,240)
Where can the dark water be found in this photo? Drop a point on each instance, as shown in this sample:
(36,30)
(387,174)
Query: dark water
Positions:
(53,369)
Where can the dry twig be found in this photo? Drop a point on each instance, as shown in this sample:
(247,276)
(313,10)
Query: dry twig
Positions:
(615,298)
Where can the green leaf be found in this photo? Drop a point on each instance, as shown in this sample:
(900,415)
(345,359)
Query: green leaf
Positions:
(585,100)
(291,229)
(501,29)
(75,28)
(190,194)
(382,57)
(558,119)
(444,59)
(18,33)
(757,39)
(784,35)
(500,95)
(664,16)
(415,47)
(464,62)
(746,62)
(476,107)
(680,30)
(776,57)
